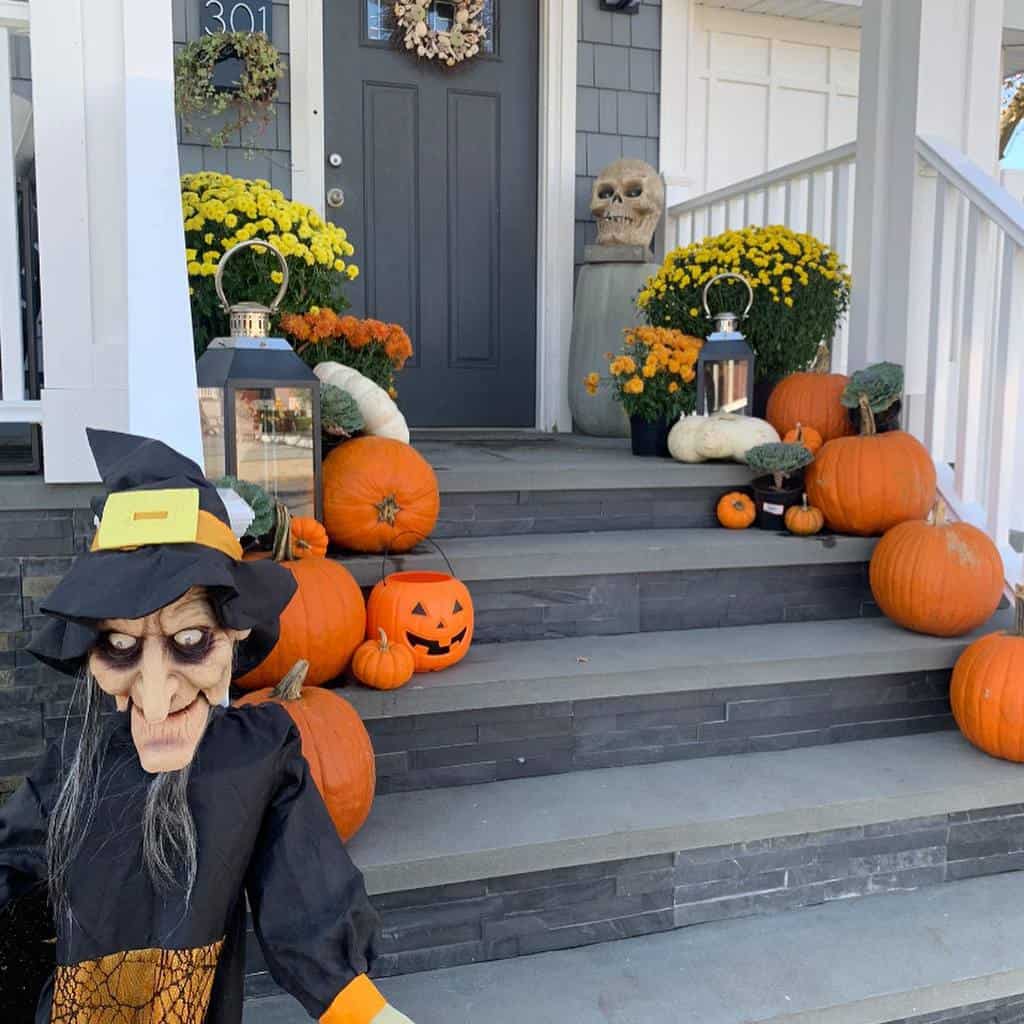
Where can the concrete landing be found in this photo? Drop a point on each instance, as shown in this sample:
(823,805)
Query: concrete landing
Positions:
(885,959)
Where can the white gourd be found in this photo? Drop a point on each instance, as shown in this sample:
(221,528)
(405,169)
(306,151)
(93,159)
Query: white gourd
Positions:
(682,438)
(728,436)
(380,414)
(720,436)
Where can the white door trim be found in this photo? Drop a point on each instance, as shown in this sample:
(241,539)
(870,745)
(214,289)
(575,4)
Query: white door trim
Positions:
(556,199)
(556,176)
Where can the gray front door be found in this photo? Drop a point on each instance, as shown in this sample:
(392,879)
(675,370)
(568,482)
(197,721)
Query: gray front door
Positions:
(439,173)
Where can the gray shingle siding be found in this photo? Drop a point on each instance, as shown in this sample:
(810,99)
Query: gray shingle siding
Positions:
(617,97)
(272,157)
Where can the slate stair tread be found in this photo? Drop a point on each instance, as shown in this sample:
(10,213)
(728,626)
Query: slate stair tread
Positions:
(619,551)
(883,960)
(444,836)
(595,667)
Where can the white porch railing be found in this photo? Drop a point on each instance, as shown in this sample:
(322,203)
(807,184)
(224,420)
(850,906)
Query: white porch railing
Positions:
(965,365)
(14,408)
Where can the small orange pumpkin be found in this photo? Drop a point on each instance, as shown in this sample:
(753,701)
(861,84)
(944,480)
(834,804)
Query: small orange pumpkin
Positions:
(323,624)
(807,436)
(736,511)
(987,690)
(939,578)
(804,520)
(379,495)
(431,612)
(334,742)
(308,538)
(813,400)
(382,664)
(865,485)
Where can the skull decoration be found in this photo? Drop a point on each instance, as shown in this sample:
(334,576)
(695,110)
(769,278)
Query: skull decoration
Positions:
(627,202)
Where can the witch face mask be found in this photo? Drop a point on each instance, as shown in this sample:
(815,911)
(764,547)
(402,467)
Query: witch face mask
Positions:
(167,670)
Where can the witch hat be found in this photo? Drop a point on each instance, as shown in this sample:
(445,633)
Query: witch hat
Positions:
(163,529)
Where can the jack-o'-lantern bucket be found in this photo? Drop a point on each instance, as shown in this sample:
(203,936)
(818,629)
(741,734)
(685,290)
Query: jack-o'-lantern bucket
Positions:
(430,612)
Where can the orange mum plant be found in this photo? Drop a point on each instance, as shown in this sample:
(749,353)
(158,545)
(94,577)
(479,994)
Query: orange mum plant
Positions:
(376,349)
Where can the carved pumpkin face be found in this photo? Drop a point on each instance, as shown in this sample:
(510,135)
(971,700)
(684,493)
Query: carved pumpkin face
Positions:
(430,612)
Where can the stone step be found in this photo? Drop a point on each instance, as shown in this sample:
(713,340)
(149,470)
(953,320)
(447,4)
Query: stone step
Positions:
(592,584)
(530,865)
(542,707)
(514,482)
(947,955)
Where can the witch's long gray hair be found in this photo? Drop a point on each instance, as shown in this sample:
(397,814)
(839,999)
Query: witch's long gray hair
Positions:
(170,849)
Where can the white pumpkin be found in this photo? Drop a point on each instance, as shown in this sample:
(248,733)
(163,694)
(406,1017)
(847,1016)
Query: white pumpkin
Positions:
(720,436)
(382,417)
(728,436)
(682,438)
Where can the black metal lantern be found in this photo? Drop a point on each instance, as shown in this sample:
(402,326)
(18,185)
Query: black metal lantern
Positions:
(725,367)
(259,403)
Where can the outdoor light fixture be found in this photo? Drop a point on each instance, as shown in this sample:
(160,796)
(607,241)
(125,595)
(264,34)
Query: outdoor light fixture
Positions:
(259,403)
(621,6)
(725,368)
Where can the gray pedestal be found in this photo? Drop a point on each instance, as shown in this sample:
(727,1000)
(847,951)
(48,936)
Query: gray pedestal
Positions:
(605,305)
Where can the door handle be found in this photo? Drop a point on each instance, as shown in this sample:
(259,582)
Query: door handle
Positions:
(335,198)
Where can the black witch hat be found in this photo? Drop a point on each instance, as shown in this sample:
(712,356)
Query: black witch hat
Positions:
(163,529)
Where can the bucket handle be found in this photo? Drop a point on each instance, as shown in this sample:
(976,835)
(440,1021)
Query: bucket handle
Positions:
(429,540)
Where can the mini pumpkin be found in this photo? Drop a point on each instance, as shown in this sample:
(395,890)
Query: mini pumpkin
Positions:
(323,624)
(866,485)
(736,511)
(804,520)
(987,690)
(939,578)
(813,400)
(379,495)
(430,612)
(307,538)
(335,744)
(383,665)
(807,436)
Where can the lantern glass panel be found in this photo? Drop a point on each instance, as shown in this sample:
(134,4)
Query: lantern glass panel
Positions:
(211,421)
(727,385)
(274,444)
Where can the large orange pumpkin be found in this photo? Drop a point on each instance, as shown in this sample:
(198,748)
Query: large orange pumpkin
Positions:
(334,742)
(987,690)
(811,399)
(323,624)
(868,484)
(379,495)
(430,612)
(939,578)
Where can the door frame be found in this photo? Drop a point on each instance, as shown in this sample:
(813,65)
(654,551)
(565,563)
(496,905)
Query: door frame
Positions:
(556,176)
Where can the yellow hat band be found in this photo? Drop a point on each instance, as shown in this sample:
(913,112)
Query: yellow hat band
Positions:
(133,519)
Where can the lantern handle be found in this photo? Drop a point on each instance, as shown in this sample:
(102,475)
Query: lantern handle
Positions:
(218,279)
(723,277)
(429,540)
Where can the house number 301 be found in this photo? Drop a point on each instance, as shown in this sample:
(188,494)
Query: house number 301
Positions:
(231,16)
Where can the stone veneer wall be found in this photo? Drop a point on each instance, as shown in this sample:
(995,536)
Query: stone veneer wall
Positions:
(36,549)
(272,158)
(617,97)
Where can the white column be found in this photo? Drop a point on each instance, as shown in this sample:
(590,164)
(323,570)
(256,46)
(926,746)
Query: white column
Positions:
(161,362)
(927,67)
(109,247)
(676,124)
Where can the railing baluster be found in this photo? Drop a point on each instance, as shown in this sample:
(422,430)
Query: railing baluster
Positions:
(788,203)
(940,324)
(746,210)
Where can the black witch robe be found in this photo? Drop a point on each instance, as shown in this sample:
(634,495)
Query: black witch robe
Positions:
(262,830)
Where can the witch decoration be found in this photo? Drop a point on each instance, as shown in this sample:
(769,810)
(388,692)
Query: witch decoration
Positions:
(171,808)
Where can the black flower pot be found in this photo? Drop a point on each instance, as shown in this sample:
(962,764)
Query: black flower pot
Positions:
(649,438)
(772,503)
(762,392)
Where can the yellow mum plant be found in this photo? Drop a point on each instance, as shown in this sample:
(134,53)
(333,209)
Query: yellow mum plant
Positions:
(654,376)
(801,292)
(219,211)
